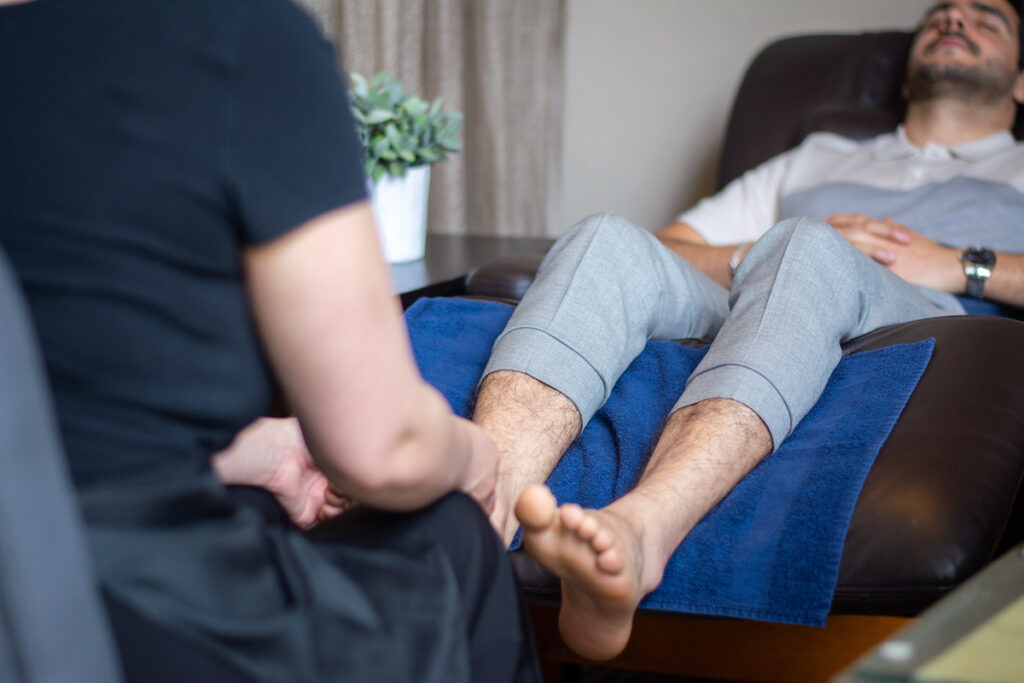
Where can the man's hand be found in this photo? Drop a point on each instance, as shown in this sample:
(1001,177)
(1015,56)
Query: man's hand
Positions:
(878,238)
(271,454)
(914,257)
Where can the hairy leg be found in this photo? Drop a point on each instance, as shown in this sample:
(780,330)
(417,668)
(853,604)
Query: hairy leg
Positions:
(609,559)
(533,425)
(604,289)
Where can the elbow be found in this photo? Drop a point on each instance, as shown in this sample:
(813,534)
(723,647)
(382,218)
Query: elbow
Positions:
(680,233)
(401,465)
(387,469)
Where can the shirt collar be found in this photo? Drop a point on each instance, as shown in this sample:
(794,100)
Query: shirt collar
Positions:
(897,146)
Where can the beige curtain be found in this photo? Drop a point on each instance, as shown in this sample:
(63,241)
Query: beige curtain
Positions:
(500,62)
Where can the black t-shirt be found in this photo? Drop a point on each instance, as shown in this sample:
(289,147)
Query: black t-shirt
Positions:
(143,143)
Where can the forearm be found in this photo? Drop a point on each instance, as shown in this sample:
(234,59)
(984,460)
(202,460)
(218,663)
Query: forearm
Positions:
(1007,282)
(240,464)
(376,429)
(713,261)
(420,456)
(946,273)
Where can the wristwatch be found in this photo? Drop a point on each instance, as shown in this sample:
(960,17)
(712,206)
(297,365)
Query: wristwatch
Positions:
(978,263)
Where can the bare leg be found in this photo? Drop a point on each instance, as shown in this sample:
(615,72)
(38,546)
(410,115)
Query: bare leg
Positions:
(605,288)
(533,425)
(609,559)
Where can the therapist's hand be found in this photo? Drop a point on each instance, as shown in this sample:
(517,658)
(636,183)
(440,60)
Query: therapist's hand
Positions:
(271,454)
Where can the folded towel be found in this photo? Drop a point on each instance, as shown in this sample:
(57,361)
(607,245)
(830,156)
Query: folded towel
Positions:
(770,550)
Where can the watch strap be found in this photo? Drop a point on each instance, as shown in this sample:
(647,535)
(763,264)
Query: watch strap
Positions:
(975,287)
(977,263)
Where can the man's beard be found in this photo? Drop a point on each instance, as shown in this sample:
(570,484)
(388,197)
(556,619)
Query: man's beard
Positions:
(957,81)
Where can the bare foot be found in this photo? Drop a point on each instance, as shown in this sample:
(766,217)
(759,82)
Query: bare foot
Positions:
(597,556)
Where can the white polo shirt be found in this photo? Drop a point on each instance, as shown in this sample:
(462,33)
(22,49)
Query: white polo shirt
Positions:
(959,196)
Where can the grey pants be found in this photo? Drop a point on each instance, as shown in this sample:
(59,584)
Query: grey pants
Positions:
(606,287)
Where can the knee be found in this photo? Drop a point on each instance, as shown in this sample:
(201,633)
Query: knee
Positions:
(808,260)
(606,242)
(607,233)
(806,233)
(813,243)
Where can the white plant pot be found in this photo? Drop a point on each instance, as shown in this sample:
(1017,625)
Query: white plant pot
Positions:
(400,208)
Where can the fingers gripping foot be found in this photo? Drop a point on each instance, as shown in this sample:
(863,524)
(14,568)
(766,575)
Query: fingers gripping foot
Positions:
(596,556)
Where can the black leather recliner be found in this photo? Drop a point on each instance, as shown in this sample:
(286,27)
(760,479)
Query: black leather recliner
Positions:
(943,498)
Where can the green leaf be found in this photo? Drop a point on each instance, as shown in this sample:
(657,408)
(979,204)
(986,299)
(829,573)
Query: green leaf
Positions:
(395,94)
(380,145)
(391,130)
(379,116)
(359,86)
(415,107)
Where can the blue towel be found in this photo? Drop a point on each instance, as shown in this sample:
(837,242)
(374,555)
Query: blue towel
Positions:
(770,550)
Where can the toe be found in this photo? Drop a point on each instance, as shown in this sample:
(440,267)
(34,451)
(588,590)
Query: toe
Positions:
(601,541)
(571,516)
(588,527)
(610,561)
(536,508)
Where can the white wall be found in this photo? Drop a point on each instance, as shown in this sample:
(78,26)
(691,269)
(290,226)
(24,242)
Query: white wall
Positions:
(649,84)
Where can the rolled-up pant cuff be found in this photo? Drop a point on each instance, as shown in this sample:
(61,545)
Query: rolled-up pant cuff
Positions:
(744,385)
(538,354)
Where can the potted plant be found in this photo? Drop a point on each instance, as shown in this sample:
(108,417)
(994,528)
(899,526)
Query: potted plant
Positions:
(402,136)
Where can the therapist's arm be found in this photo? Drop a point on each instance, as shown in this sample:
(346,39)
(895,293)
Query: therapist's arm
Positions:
(334,332)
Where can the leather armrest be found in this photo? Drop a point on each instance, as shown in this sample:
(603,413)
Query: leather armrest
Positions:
(939,499)
(504,278)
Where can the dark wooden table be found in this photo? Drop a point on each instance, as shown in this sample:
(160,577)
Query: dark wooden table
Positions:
(449,258)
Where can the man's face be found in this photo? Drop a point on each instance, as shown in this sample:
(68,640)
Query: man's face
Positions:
(966,49)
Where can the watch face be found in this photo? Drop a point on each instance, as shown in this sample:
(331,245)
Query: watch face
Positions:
(978,263)
(979,257)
